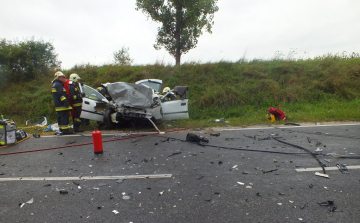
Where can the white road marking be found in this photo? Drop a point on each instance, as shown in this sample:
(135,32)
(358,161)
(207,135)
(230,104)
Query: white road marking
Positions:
(287,127)
(86,178)
(326,168)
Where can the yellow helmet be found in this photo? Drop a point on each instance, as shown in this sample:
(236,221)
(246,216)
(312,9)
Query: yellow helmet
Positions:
(59,74)
(166,89)
(74,77)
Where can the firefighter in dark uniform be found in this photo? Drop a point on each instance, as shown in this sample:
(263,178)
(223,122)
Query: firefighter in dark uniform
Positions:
(61,102)
(103,90)
(75,96)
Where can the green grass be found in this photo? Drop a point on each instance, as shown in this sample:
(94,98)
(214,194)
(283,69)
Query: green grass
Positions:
(315,90)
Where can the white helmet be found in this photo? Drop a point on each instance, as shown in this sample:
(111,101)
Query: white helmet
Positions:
(59,74)
(106,84)
(166,89)
(74,77)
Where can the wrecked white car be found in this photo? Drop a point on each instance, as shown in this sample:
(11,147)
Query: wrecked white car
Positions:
(138,101)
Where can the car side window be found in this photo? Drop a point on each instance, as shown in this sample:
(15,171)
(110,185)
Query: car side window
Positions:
(91,93)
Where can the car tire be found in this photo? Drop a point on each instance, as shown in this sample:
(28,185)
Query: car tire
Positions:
(107,118)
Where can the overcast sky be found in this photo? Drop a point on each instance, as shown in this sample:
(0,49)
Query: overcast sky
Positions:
(90,31)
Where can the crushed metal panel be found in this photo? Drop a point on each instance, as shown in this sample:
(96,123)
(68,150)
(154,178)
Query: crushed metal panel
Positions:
(132,95)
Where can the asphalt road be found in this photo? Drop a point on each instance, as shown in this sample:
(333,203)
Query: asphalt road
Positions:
(243,175)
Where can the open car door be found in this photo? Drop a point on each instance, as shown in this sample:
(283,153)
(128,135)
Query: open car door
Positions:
(176,109)
(93,104)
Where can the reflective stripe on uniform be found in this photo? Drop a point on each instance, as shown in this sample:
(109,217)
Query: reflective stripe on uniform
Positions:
(63,127)
(63,108)
(77,105)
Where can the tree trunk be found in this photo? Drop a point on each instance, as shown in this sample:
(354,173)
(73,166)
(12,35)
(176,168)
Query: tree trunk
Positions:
(177,56)
(178,6)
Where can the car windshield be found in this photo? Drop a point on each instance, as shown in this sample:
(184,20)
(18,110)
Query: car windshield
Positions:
(154,85)
(91,93)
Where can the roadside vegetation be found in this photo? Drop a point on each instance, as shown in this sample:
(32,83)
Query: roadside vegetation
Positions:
(314,90)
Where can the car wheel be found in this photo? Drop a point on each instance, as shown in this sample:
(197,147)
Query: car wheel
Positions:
(107,117)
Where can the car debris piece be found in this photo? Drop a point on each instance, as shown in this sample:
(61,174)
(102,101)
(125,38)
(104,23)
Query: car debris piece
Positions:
(161,193)
(292,123)
(342,168)
(326,203)
(241,183)
(30,201)
(62,191)
(221,120)
(125,197)
(191,137)
(215,134)
(269,171)
(322,175)
(173,154)
(115,212)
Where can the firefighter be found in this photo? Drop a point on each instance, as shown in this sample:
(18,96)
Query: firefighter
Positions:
(61,102)
(169,96)
(104,91)
(75,96)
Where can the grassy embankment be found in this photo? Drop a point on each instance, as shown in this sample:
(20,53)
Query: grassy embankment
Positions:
(314,90)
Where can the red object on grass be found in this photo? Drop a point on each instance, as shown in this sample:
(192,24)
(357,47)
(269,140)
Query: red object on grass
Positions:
(278,113)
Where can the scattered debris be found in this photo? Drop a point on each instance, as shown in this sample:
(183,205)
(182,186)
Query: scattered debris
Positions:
(115,212)
(221,120)
(102,184)
(161,193)
(248,187)
(36,135)
(311,186)
(269,171)
(330,204)
(342,168)
(47,185)
(71,142)
(191,137)
(173,154)
(62,191)
(30,201)
(322,175)
(279,204)
(126,197)
(198,129)
(292,123)
(215,134)
(121,135)
(241,183)
(200,177)
(120,181)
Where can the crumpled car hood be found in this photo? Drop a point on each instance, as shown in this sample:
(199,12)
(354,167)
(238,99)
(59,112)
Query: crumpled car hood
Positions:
(132,95)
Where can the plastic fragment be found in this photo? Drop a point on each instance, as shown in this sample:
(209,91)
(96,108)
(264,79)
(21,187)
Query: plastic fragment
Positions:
(161,193)
(241,183)
(125,197)
(30,201)
(342,168)
(322,175)
(115,212)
